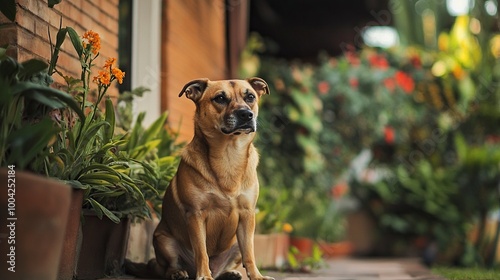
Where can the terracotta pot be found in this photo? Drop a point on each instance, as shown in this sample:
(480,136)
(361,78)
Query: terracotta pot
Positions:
(40,211)
(72,239)
(271,250)
(304,245)
(336,249)
(104,245)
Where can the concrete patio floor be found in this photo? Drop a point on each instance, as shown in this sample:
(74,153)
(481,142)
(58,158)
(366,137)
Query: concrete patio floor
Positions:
(365,269)
(356,269)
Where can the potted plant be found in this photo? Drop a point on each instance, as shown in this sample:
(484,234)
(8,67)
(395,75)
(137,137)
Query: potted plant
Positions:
(122,173)
(90,156)
(156,153)
(272,238)
(38,207)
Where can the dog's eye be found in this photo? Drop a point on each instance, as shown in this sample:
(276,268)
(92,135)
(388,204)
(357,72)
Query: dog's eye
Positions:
(250,98)
(221,99)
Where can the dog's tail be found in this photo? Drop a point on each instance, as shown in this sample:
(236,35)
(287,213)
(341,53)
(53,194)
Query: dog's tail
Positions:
(143,270)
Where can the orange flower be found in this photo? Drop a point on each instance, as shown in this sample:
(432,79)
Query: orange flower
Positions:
(339,190)
(458,72)
(109,62)
(287,227)
(323,87)
(118,74)
(103,78)
(92,38)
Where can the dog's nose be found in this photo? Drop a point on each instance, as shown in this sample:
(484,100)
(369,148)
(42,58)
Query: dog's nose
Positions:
(244,114)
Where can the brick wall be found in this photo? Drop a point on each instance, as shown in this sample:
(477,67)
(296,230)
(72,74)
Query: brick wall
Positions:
(193,46)
(28,36)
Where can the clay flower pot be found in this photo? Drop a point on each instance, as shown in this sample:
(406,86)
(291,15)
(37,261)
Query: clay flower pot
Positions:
(31,236)
(271,250)
(304,246)
(103,249)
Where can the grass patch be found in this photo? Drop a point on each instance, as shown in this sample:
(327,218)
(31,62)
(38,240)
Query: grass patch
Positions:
(467,273)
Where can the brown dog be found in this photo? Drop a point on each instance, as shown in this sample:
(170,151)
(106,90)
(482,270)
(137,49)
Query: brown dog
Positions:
(208,222)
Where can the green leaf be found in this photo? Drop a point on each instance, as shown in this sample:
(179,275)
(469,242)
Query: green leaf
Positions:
(100,210)
(110,118)
(61,35)
(134,136)
(31,67)
(155,128)
(3,52)
(8,9)
(461,147)
(90,134)
(98,167)
(42,99)
(29,141)
(77,185)
(143,150)
(25,87)
(76,41)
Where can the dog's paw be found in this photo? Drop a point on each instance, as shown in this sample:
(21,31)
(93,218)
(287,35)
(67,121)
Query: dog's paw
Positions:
(230,275)
(178,275)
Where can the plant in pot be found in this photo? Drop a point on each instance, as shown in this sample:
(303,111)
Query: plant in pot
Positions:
(154,151)
(37,207)
(272,238)
(89,156)
(120,173)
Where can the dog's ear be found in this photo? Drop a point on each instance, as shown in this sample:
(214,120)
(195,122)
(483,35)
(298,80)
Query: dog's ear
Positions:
(259,85)
(194,89)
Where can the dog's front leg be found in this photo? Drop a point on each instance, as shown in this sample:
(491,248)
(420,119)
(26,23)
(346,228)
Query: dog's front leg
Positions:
(198,236)
(245,236)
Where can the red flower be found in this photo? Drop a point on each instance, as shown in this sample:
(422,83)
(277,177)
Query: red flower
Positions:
(379,61)
(416,61)
(389,135)
(353,82)
(405,81)
(492,139)
(390,84)
(323,87)
(339,190)
(351,55)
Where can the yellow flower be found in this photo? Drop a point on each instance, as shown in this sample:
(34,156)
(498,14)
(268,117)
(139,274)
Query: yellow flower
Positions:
(118,74)
(287,228)
(103,78)
(91,38)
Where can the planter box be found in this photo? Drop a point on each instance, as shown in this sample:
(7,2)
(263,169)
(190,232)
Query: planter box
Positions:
(271,250)
(40,212)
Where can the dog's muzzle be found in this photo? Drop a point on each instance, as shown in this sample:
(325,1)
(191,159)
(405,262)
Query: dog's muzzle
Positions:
(241,120)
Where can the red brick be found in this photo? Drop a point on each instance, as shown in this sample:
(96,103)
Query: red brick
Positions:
(34,43)
(9,35)
(26,20)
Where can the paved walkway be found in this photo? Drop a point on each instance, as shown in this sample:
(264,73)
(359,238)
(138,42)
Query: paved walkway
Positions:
(358,269)
(365,269)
